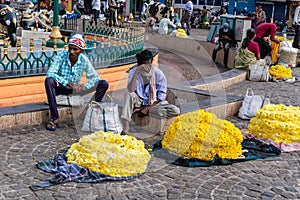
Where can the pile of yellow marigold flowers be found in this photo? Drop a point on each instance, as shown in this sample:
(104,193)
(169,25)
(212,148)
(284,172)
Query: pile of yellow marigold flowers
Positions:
(110,154)
(280,71)
(279,123)
(203,135)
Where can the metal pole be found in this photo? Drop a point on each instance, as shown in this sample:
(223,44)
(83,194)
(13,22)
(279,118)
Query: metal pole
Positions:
(55,36)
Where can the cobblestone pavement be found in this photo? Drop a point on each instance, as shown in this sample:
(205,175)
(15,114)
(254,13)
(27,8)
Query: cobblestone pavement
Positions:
(273,178)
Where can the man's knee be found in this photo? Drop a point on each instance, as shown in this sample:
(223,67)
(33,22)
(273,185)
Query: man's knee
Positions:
(102,84)
(129,95)
(50,81)
(227,46)
(217,48)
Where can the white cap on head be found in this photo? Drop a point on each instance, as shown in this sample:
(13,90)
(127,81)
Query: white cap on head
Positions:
(225,27)
(77,40)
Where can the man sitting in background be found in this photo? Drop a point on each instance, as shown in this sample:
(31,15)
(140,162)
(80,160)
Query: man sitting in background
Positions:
(147,91)
(164,25)
(226,41)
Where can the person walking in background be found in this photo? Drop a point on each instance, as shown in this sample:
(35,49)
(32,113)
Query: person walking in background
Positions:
(260,16)
(296,42)
(112,8)
(186,18)
(80,6)
(264,33)
(96,11)
(143,12)
(64,75)
(203,15)
(147,91)
(226,41)
(249,52)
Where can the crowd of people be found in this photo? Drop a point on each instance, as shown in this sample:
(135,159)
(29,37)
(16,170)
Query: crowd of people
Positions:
(260,40)
(147,84)
(110,11)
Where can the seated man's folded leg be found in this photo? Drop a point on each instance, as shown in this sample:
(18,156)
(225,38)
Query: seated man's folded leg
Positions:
(164,109)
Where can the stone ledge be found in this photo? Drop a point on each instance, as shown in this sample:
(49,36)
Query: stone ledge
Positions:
(32,114)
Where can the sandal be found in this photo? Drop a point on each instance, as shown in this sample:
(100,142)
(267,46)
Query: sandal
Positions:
(51,125)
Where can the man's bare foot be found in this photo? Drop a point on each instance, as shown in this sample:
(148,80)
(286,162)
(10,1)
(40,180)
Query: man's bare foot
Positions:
(124,133)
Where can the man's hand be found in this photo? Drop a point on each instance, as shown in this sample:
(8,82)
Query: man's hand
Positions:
(77,87)
(226,37)
(221,45)
(144,67)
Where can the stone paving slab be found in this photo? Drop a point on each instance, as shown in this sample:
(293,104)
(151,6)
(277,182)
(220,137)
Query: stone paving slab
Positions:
(272,178)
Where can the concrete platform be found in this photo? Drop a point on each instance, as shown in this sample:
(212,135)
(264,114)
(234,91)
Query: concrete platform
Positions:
(188,95)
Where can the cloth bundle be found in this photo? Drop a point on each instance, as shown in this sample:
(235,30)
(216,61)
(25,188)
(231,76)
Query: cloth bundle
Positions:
(288,54)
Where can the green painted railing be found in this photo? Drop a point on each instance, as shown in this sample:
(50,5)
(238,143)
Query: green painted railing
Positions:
(106,46)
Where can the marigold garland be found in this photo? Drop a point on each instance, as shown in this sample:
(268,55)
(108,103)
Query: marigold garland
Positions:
(280,71)
(110,154)
(279,123)
(203,135)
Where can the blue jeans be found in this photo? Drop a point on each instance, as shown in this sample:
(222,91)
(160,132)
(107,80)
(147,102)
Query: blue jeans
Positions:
(52,90)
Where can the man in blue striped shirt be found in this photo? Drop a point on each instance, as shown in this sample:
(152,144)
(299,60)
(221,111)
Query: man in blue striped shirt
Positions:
(64,75)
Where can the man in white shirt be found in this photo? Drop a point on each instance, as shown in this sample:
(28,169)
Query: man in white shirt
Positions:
(164,25)
(186,18)
(297,27)
(96,11)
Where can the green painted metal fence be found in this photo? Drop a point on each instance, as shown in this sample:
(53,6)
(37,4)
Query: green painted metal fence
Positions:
(105,47)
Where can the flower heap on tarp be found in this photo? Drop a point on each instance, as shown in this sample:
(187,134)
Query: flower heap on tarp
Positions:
(203,135)
(280,71)
(279,123)
(110,154)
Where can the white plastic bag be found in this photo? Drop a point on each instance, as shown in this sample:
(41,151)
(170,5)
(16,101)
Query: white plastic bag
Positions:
(252,103)
(102,116)
(259,71)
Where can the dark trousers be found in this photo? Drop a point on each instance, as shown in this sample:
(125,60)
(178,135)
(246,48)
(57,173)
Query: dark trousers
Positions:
(186,18)
(217,48)
(264,47)
(52,90)
(112,18)
(96,14)
(296,43)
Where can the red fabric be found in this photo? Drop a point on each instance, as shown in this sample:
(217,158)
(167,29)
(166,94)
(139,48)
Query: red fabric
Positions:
(266,29)
(254,48)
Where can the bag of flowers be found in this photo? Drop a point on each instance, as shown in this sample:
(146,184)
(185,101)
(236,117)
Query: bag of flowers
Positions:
(110,154)
(280,72)
(278,123)
(202,135)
